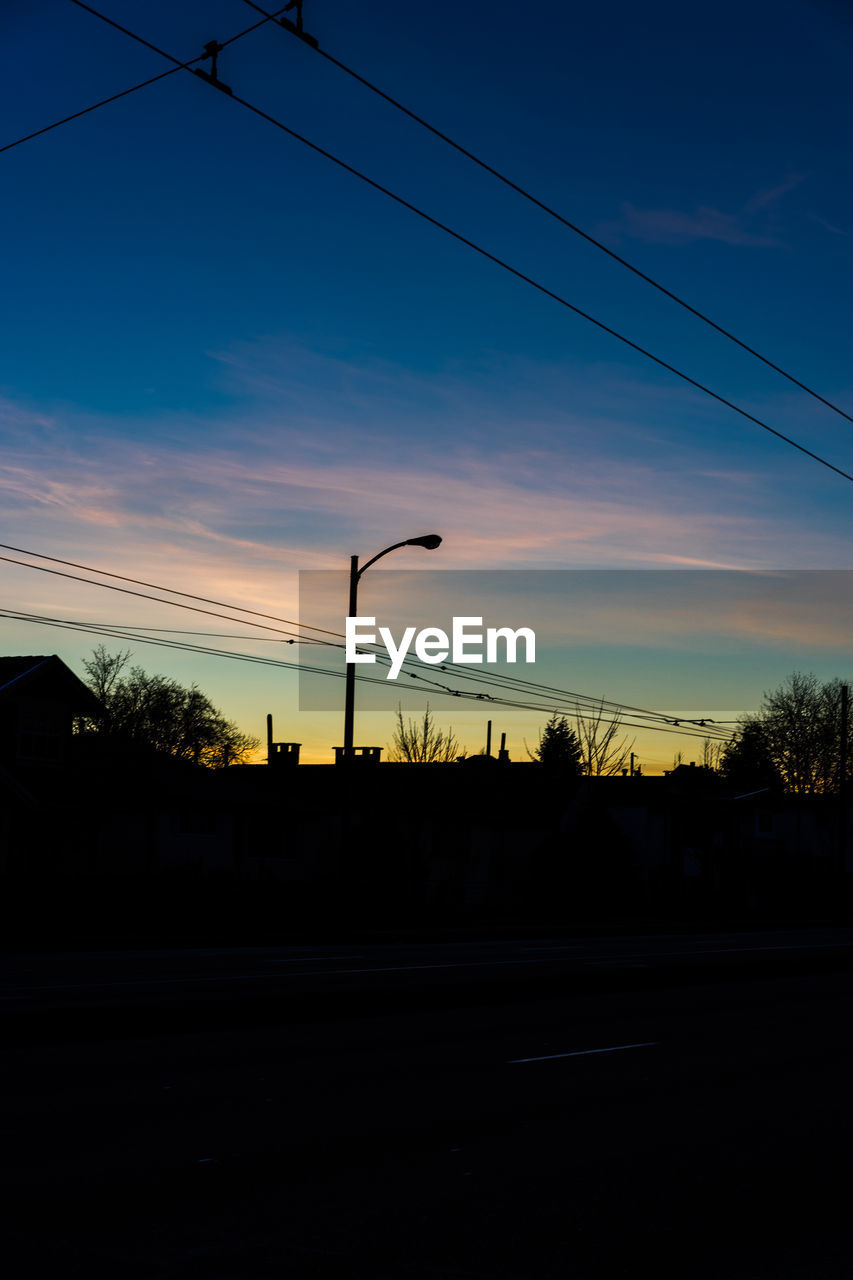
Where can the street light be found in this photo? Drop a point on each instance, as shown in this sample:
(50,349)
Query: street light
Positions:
(429,542)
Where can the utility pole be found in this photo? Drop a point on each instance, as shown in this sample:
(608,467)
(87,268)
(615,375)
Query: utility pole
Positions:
(429,541)
(349,701)
(842,781)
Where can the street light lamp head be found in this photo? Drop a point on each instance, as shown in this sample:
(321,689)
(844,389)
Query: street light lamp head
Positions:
(429,540)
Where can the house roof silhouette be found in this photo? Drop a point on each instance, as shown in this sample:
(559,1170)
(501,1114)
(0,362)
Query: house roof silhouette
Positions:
(44,676)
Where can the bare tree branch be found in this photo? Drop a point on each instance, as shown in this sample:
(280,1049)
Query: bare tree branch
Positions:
(421,742)
(603,752)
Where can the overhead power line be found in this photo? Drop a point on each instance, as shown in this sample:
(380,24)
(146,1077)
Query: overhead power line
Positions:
(110,586)
(122,633)
(267,17)
(126,633)
(580,703)
(139,582)
(553,213)
(210,635)
(550,293)
(491,257)
(522,191)
(563,697)
(75,115)
(118,632)
(75,577)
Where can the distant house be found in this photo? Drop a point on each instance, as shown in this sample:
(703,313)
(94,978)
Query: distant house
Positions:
(39,698)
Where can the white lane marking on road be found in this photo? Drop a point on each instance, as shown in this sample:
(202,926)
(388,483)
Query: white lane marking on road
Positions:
(582,1053)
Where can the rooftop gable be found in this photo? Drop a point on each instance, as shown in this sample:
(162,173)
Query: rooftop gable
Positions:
(44,676)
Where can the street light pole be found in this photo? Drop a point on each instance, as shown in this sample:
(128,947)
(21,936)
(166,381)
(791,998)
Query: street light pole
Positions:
(349,703)
(429,541)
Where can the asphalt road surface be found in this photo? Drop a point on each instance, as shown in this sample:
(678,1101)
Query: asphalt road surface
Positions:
(537,1108)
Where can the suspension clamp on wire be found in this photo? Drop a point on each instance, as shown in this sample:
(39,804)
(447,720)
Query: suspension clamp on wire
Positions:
(212,50)
(296,27)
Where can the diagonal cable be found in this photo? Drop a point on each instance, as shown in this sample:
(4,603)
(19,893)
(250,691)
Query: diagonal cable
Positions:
(500,262)
(559,217)
(180,66)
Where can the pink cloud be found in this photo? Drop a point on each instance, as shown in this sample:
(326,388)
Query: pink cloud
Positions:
(236,524)
(270,494)
(769,195)
(829,226)
(230,528)
(671,226)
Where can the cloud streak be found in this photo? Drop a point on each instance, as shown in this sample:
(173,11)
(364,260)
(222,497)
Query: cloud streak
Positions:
(271,493)
(769,195)
(674,226)
(500,510)
(678,226)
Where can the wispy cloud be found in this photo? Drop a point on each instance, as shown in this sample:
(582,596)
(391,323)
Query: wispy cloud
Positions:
(769,195)
(828,226)
(18,421)
(272,490)
(247,520)
(746,227)
(288,477)
(673,226)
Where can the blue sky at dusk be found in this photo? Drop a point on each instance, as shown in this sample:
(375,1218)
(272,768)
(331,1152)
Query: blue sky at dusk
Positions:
(225,360)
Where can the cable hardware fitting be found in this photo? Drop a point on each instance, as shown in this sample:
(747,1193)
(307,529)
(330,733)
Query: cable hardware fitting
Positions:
(296,27)
(212,50)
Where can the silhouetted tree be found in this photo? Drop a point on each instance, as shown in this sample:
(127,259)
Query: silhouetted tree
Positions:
(746,762)
(152,713)
(800,724)
(802,719)
(558,746)
(603,753)
(420,742)
(104,672)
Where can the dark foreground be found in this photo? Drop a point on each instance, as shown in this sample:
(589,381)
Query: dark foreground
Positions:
(414,1112)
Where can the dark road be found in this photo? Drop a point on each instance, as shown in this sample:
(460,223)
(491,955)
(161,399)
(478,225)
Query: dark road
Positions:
(676,1106)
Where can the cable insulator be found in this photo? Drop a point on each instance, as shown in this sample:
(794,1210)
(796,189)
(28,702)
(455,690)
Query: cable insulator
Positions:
(212,50)
(296,28)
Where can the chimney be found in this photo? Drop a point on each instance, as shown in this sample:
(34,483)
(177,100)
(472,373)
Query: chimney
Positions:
(281,754)
(361,756)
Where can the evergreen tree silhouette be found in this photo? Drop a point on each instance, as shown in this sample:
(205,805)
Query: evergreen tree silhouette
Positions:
(559,747)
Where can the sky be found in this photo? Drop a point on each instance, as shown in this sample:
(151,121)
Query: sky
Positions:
(225,361)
